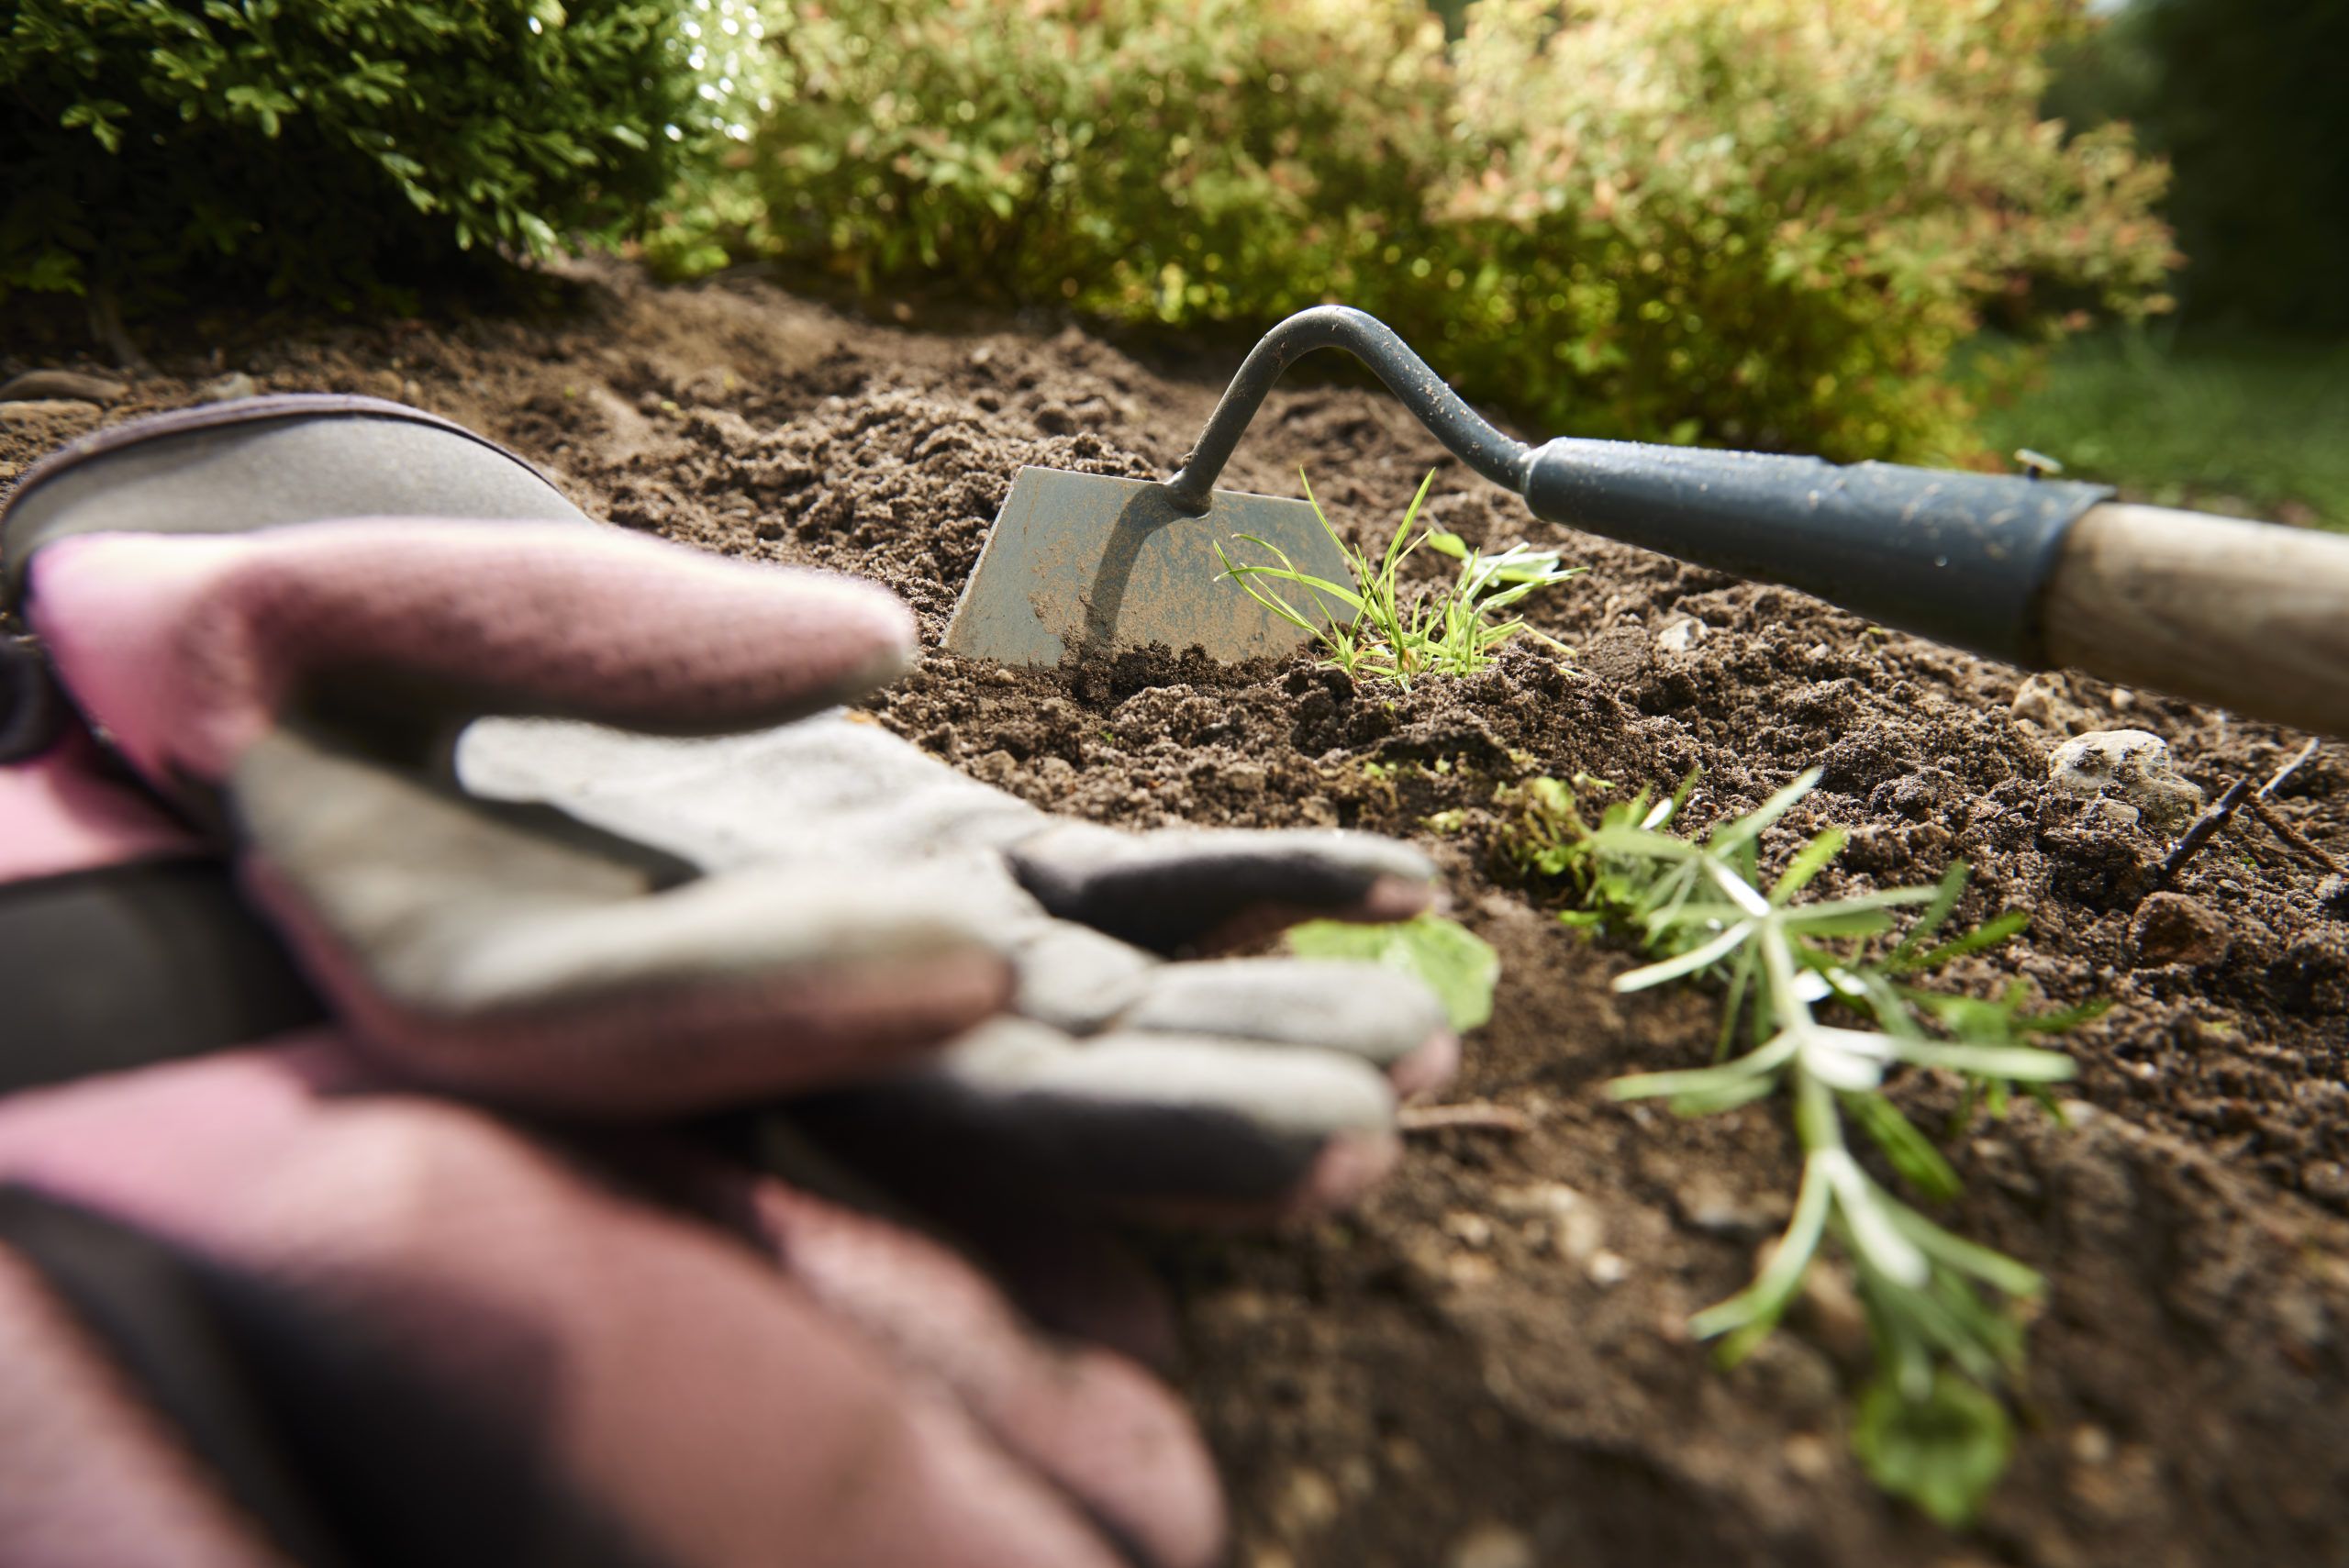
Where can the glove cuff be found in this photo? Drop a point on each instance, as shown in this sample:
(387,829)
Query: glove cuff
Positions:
(260,462)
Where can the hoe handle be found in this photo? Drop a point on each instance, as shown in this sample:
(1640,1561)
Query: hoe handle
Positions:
(2254,617)
(2250,615)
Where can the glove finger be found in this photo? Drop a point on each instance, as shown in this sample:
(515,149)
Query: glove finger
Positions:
(88,1475)
(479,954)
(1139,1123)
(1093,1422)
(186,647)
(1388,1019)
(355,1245)
(1180,888)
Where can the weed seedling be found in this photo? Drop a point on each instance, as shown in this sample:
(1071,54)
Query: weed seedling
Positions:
(1930,1425)
(1374,629)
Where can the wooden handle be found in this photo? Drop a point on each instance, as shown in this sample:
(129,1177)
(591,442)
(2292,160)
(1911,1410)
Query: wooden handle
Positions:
(2253,617)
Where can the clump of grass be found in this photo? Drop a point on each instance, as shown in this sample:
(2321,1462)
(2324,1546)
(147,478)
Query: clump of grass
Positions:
(1375,628)
(1942,1311)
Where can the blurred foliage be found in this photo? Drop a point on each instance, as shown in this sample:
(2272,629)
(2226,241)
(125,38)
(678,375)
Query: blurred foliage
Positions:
(2223,422)
(1764,223)
(341,150)
(2245,98)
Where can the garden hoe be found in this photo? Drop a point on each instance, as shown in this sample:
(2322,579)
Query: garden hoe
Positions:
(2032,572)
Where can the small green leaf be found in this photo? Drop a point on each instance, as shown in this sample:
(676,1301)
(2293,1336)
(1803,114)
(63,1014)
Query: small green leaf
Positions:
(1942,1452)
(1443,955)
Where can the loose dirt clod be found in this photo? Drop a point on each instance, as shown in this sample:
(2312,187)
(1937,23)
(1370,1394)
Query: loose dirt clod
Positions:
(2172,928)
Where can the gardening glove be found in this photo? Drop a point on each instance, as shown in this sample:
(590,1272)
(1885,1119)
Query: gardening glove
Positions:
(261,1308)
(315,671)
(293,685)
(1180,1085)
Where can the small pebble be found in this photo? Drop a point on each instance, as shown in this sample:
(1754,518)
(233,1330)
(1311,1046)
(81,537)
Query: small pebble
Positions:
(2170,928)
(1575,1225)
(1680,636)
(1807,1455)
(2106,812)
(35,386)
(2046,700)
(2092,1444)
(1469,1230)
(2132,764)
(1307,1503)
(228,388)
(1491,1546)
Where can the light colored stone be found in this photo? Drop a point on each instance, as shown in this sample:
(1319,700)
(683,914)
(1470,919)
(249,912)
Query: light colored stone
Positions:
(2046,699)
(2134,764)
(228,388)
(43,386)
(1807,1455)
(1573,1223)
(1307,1503)
(2106,812)
(1681,635)
(1469,1230)
(1491,1546)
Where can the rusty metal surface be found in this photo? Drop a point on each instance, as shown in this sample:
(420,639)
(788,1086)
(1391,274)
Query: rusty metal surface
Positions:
(1092,564)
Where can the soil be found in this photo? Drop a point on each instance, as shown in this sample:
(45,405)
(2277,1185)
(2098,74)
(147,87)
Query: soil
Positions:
(1489,1366)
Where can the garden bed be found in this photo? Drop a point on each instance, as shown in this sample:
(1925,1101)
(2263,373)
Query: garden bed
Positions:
(1489,1365)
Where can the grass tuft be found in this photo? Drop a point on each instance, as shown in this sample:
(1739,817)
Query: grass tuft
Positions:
(1375,629)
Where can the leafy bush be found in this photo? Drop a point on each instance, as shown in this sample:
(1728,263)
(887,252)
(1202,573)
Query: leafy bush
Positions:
(339,148)
(1764,223)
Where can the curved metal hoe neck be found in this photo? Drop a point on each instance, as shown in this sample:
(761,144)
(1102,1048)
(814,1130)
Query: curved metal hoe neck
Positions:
(1467,435)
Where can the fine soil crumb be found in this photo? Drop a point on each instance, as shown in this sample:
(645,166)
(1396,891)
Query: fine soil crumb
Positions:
(1489,1365)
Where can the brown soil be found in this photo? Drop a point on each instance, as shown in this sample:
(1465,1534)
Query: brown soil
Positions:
(1488,1365)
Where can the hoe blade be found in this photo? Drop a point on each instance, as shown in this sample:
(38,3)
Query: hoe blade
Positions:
(1087,564)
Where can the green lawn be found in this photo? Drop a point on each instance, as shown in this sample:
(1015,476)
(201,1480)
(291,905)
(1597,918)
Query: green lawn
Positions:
(2255,428)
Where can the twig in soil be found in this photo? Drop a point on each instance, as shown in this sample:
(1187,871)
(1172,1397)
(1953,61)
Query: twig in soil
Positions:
(2275,822)
(1480,1115)
(2200,832)
(2267,791)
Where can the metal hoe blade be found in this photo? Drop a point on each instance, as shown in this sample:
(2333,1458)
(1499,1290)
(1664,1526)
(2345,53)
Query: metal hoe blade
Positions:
(1091,566)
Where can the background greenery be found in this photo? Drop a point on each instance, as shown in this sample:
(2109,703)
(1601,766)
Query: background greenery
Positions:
(2241,402)
(1766,224)
(1754,222)
(341,150)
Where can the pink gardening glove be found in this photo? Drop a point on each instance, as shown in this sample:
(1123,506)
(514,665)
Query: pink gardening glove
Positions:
(259,1309)
(296,687)
(282,613)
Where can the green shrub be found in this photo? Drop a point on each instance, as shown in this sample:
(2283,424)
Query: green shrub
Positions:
(337,150)
(1764,223)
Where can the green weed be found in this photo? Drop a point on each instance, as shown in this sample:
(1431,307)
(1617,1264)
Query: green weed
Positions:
(1375,628)
(1929,1426)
